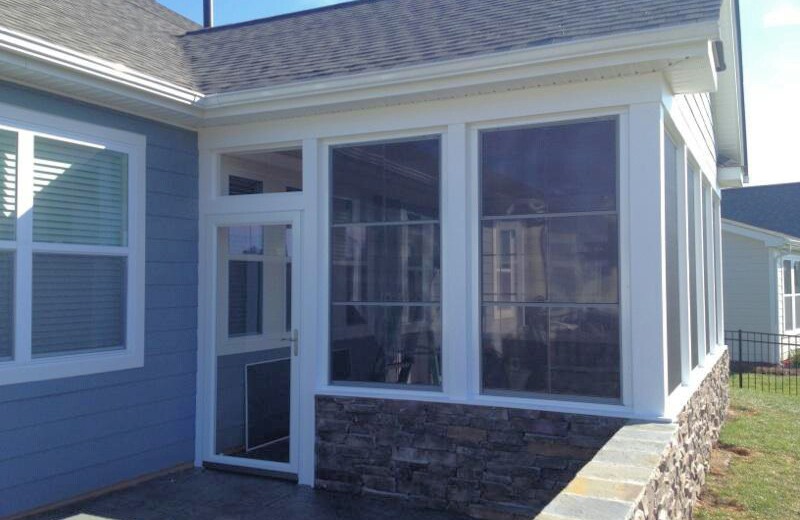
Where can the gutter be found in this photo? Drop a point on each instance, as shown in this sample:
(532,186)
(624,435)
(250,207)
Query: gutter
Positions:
(38,50)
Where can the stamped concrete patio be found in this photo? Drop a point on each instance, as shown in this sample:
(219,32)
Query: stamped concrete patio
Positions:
(210,495)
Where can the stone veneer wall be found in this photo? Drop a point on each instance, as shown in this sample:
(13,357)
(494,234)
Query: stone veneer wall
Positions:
(492,463)
(651,471)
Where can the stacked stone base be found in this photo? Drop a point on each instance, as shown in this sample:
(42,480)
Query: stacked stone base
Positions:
(492,463)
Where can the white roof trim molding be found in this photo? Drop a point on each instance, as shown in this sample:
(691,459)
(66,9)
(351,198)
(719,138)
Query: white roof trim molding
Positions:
(681,53)
(768,237)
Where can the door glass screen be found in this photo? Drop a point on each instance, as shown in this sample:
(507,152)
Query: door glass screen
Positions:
(253,345)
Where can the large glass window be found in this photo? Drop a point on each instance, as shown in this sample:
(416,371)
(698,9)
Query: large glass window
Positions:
(266,171)
(75,247)
(549,260)
(694,223)
(385,317)
(674,340)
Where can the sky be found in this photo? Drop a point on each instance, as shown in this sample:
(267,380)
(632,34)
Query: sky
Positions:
(771,43)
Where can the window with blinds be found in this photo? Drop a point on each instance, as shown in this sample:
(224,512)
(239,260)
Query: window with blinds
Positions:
(80,194)
(76,250)
(8,184)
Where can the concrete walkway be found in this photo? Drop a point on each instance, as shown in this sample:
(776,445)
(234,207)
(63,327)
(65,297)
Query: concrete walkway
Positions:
(210,495)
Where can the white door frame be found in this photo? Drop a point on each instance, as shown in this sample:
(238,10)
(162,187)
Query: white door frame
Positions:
(207,337)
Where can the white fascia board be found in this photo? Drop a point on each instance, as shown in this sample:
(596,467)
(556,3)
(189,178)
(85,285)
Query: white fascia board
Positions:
(39,51)
(670,46)
(731,176)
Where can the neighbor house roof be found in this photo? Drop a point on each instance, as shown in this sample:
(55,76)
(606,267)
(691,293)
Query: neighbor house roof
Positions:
(776,207)
(343,39)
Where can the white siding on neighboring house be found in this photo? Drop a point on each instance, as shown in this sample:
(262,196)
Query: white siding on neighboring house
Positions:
(747,298)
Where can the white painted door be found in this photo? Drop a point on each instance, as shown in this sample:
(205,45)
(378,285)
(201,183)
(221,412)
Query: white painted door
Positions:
(254,340)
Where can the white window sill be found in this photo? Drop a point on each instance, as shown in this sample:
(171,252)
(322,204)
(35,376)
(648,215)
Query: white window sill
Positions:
(15,372)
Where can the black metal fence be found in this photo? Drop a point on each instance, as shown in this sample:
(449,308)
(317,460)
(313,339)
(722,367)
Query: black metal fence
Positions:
(764,361)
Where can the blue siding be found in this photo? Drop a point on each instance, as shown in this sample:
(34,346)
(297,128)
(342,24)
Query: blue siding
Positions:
(62,438)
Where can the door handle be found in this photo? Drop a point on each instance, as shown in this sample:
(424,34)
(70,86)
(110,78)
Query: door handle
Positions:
(295,341)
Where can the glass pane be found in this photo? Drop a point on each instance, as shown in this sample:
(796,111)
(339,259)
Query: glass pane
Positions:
(694,223)
(797,312)
(585,355)
(245,287)
(515,349)
(386,344)
(675,372)
(8,184)
(788,313)
(706,272)
(386,263)
(787,277)
(249,173)
(550,169)
(797,277)
(514,257)
(569,351)
(6,305)
(254,355)
(78,303)
(386,182)
(246,240)
(80,194)
(583,263)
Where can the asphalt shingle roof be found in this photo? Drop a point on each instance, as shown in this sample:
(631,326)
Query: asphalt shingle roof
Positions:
(775,207)
(360,36)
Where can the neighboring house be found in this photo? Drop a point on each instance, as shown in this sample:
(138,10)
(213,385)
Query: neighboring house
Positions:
(761,255)
(433,249)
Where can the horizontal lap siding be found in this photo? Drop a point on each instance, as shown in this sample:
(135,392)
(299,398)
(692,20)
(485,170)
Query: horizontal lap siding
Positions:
(746,283)
(66,437)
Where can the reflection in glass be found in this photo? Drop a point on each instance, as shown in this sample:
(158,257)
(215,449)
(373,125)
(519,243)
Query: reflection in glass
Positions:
(552,350)
(550,260)
(386,182)
(253,172)
(384,252)
(398,344)
(385,263)
(245,286)
(246,240)
(550,169)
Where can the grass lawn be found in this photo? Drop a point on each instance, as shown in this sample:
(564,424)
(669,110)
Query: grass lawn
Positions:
(755,473)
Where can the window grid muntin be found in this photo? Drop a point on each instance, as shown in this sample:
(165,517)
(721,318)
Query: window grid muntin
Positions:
(555,305)
(333,225)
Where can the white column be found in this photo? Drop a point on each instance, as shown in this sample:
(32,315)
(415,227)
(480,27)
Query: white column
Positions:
(311,340)
(646,263)
(455,293)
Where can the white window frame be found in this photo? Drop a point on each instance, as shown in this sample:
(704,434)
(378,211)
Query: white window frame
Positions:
(23,367)
(794,260)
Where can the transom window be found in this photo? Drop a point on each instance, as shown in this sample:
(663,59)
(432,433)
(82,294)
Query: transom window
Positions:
(66,257)
(549,257)
(385,316)
(791,295)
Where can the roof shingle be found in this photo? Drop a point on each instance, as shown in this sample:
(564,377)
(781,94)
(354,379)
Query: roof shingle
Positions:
(775,207)
(354,37)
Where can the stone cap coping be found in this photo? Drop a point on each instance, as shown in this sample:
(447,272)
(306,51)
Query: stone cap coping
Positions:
(613,483)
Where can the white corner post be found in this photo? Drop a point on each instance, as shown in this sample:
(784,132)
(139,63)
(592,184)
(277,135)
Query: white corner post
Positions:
(647,260)
(455,294)
(310,340)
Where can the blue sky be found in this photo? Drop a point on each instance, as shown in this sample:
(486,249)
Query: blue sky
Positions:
(771,33)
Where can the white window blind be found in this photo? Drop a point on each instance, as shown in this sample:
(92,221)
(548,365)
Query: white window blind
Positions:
(8,184)
(80,194)
(78,303)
